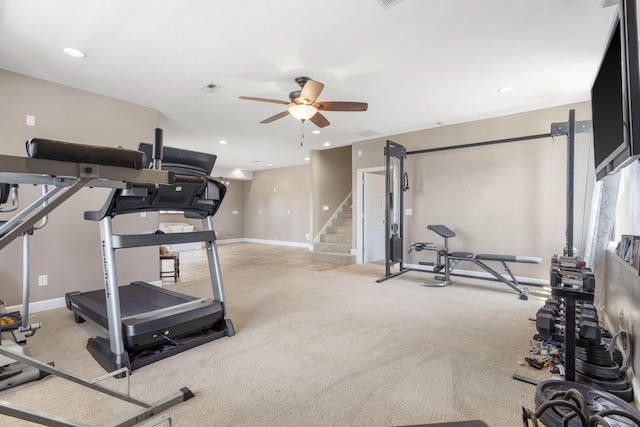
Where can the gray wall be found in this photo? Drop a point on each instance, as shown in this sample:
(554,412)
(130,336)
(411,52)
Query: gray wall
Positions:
(331,183)
(67,249)
(506,198)
(277,204)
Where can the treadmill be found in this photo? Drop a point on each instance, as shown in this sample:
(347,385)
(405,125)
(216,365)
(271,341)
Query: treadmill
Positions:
(147,323)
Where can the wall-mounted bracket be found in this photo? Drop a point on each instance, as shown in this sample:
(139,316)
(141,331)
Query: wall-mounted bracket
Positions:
(562,128)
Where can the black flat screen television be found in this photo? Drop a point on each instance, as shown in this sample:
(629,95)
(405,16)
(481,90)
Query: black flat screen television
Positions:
(615,96)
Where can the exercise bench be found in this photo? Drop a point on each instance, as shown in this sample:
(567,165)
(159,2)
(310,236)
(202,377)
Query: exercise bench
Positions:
(447,261)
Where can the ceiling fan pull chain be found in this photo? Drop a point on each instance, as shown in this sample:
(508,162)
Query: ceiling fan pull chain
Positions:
(301,131)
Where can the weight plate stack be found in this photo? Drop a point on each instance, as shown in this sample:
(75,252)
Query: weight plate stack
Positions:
(596,400)
(594,367)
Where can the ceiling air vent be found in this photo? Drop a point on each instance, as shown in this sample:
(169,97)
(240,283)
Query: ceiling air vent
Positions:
(388,3)
(209,88)
(368,133)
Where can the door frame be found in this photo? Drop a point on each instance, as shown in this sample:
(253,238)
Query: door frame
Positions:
(360,215)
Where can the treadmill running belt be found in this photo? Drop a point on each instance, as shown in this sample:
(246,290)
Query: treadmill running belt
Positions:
(149,313)
(141,297)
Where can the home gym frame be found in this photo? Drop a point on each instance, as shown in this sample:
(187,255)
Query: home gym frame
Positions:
(395,154)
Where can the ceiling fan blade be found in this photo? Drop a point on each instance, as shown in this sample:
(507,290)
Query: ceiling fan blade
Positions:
(276,117)
(252,98)
(311,90)
(319,120)
(341,106)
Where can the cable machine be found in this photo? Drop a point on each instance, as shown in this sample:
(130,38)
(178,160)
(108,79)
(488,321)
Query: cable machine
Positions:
(396,184)
(394,169)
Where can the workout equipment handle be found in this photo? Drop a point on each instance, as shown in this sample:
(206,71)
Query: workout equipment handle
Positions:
(157,149)
(188,179)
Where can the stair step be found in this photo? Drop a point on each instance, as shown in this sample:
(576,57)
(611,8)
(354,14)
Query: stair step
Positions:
(342,222)
(336,238)
(330,257)
(332,229)
(340,248)
(345,214)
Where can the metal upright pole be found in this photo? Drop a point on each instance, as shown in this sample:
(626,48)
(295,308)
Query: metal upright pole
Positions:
(112,295)
(570,175)
(387,216)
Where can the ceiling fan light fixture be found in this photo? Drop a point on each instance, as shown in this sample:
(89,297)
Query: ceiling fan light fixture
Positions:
(303,111)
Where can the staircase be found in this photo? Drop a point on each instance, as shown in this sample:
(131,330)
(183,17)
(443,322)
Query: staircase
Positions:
(335,243)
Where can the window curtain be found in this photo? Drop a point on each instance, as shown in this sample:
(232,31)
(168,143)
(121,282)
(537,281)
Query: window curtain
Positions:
(601,218)
(634,198)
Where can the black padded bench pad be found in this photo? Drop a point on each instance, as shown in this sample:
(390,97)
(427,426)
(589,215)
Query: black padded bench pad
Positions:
(510,258)
(461,254)
(442,230)
(48,149)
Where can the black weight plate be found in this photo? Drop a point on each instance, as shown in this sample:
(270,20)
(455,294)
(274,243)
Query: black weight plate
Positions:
(626,394)
(600,372)
(598,364)
(597,401)
(595,354)
(598,350)
(583,344)
(595,360)
(620,383)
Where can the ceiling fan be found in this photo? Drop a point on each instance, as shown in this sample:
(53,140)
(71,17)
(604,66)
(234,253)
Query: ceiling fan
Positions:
(303,105)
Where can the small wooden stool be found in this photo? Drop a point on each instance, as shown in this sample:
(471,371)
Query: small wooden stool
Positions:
(166,255)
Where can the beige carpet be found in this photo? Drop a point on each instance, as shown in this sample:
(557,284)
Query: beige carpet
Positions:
(322,346)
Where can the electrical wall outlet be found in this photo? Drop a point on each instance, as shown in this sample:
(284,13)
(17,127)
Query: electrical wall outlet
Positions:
(43,280)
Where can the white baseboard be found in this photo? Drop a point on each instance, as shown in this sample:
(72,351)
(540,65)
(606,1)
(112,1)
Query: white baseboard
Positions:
(278,243)
(37,306)
(225,241)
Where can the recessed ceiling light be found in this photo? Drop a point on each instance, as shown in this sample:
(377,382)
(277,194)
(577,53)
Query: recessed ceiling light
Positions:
(223,142)
(507,89)
(306,159)
(327,144)
(269,164)
(74,52)
(315,131)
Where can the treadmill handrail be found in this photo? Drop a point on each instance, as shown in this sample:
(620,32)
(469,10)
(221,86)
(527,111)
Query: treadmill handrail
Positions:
(121,241)
(27,170)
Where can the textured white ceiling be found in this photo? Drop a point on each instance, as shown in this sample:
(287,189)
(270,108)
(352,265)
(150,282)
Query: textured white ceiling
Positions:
(417,63)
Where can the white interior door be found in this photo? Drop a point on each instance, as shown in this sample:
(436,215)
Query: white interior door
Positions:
(373,217)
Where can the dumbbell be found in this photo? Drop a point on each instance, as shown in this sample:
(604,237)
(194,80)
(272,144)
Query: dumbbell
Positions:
(588,280)
(555,278)
(590,331)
